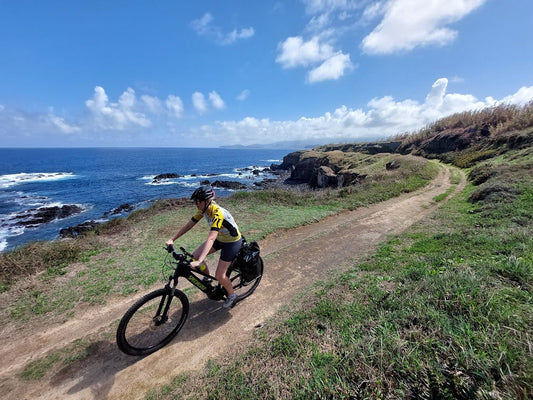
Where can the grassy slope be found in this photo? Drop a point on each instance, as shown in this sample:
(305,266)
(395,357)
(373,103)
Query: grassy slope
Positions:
(444,310)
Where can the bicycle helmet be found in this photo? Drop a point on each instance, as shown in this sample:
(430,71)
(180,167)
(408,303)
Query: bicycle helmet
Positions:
(205,192)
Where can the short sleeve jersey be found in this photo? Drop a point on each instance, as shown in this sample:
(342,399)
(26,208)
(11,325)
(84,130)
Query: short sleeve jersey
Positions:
(219,219)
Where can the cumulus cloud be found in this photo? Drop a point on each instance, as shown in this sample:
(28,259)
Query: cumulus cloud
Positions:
(382,117)
(174,106)
(116,116)
(327,64)
(205,27)
(199,102)
(295,52)
(386,26)
(216,100)
(522,97)
(332,68)
(407,24)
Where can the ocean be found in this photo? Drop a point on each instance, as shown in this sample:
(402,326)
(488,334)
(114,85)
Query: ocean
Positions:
(93,183)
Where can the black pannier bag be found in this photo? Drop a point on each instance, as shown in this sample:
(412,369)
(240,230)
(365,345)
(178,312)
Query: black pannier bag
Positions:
(248,261)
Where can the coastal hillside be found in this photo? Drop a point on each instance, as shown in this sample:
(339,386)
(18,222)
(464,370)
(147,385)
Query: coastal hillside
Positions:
(387,275)
(461,139)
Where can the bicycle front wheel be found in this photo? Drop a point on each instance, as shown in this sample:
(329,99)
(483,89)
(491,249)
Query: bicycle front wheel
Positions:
(152,322)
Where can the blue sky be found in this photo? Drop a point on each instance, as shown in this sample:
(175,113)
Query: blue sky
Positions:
(211,73)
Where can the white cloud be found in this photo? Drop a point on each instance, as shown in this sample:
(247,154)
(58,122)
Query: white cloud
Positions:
(61,124)
(216,100)
(116,116)
(332,68)
(328,64)
(199,102)
(383,117)
(174,106)
(201,105)
(295,52)
(411,23)
(204,27)
(522,97)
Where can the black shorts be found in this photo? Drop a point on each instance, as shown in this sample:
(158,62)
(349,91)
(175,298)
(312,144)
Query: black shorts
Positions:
(228,250)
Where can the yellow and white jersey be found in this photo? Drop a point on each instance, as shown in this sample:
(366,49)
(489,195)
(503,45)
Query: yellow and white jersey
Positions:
(219,219)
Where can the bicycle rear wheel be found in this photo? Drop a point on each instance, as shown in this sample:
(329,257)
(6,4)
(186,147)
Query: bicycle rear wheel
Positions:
(152,322)
(243,289)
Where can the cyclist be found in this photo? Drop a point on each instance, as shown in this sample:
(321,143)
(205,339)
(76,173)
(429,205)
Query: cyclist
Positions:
(223,235)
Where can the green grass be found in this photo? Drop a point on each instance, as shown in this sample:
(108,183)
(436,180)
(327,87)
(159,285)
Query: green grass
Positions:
(444,311)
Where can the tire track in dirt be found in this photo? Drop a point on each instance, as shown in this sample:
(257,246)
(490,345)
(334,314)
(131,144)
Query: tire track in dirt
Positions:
(294,260)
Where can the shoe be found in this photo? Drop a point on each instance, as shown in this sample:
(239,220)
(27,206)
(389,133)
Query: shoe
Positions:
(230,300)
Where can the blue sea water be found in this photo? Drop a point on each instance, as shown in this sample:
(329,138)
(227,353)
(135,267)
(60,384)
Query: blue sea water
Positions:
(100,180)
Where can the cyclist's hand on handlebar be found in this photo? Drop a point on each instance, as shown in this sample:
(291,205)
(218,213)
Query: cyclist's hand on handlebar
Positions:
(169,245)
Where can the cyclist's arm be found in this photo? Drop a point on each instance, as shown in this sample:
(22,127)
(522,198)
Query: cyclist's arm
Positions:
(183,230)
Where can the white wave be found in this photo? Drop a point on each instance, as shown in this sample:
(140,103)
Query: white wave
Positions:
(7,231)
(9,180)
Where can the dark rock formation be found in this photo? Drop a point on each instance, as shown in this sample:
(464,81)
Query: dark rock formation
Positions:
(43,215)
(161,177)
(74,231)
(319,169)
(231,185)
(366,148)
(124,208)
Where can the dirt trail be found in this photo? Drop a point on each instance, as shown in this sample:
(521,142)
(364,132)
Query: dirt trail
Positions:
(293,260)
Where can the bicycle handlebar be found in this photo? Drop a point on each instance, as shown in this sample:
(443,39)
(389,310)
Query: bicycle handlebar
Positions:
(178,256)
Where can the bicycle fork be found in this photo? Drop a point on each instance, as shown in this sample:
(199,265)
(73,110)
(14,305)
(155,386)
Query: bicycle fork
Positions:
(164,305)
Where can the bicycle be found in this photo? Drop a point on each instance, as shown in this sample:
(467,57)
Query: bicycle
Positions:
(156,318)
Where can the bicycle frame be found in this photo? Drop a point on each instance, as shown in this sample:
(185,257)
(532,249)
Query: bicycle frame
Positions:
(183,269)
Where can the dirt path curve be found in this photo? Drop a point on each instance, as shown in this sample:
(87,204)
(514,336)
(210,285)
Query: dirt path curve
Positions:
(294,260)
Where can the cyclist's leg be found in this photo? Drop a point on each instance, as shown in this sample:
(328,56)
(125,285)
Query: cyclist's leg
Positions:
(196,253)
(220,276)
(227,254)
